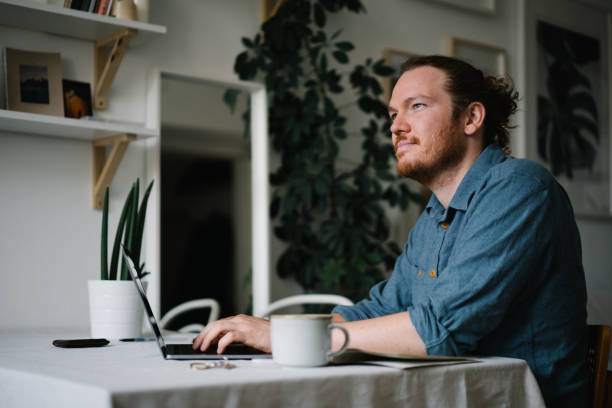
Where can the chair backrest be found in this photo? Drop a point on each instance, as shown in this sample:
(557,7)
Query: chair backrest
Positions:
(311,298)
(189,306)
(597,361)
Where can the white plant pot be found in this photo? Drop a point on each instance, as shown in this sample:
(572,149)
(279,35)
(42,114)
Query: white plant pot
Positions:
(115,309)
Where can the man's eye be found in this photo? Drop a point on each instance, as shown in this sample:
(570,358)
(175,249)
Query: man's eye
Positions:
(392,116)
(418,105)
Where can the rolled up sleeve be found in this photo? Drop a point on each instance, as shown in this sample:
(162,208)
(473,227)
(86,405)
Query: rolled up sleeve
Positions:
(386,297)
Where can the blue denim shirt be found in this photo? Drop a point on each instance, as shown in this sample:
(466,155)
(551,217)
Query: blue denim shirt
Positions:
(497,273)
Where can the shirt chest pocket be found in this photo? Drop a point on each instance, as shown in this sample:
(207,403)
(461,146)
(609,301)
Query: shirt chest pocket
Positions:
(423,282)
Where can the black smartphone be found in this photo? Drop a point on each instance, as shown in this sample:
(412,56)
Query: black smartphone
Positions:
(74,343)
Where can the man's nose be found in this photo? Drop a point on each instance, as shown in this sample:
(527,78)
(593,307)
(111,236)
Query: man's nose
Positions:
(399,125)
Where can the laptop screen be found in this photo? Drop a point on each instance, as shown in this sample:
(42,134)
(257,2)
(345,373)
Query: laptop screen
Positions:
(145,301)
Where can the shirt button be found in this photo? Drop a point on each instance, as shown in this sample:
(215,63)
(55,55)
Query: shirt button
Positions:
(432,273)
(444,225)
(420,273)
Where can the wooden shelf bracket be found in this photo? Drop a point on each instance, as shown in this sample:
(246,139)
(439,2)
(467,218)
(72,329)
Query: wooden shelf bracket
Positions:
(107,62)
(104,167)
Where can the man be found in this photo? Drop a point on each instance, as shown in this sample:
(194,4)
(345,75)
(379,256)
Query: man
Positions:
(493,265)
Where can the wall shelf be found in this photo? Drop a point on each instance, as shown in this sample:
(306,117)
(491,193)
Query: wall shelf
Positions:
(111,37)
(102,134)
(78,24)
(79,129)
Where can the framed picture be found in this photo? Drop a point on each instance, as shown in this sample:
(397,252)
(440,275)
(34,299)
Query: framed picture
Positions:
(77,99)
(34,81)
(393,58)
(491,59)
(480,6)
(269,8)
(568,100)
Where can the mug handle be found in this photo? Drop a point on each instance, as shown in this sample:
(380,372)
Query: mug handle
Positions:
(330,353)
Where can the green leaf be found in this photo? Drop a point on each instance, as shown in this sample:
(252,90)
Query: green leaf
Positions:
(129,229)
(112,274)
(341,57)
(381,69)
(104,240)
(230,96)
(247,42)
(345,46)
(319,15)
(140,223)
(328,212)
(323,63)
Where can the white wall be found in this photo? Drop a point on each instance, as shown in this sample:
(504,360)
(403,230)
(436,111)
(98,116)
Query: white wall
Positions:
(48,231)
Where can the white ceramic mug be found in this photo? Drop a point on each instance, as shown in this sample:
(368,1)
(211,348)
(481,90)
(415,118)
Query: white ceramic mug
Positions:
(304,340)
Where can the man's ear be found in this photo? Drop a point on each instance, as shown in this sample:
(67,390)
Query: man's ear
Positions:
(474,118)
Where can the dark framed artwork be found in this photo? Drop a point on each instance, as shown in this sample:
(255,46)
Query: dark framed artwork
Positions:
(393,58)
(34,81)
(77,99)
(568,87)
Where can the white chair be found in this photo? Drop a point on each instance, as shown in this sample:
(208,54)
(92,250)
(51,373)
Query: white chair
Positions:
(312,298)
(188,306)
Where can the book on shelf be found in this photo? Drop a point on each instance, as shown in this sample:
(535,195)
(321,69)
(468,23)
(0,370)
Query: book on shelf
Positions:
(85,5)
(79,4)
(104,7)
(67,3)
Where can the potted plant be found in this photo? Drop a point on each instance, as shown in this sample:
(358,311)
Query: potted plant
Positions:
(115,309)
(330,213)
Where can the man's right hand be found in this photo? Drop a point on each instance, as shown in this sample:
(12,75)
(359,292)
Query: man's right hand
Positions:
(252,331)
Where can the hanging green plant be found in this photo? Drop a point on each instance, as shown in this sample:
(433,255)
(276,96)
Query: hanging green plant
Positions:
(331,217)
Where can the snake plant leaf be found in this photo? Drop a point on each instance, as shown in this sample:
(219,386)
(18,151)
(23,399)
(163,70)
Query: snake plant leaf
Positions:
(104,240)
(112,274)
(129,231)
(140,222)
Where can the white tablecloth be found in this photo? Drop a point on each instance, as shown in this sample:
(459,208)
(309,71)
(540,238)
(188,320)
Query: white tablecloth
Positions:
(33,373)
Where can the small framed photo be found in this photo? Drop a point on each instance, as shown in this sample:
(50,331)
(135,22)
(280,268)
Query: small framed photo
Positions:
(77,99)
(491,59)
(393,58)
(34,81)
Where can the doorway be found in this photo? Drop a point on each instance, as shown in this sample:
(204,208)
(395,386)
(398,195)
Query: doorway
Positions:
(205,201)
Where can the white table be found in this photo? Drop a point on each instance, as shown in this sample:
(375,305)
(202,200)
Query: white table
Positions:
(33,373)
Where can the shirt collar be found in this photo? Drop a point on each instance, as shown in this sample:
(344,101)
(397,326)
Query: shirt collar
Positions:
(489,157)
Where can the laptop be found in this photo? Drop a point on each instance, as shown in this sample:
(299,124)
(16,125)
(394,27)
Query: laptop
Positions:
(235,351)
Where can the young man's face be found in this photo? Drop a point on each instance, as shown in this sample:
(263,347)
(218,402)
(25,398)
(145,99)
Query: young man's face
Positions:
(426,139)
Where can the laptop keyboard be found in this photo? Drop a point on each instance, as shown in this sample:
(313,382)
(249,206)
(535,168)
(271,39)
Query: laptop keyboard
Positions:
(232,349)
